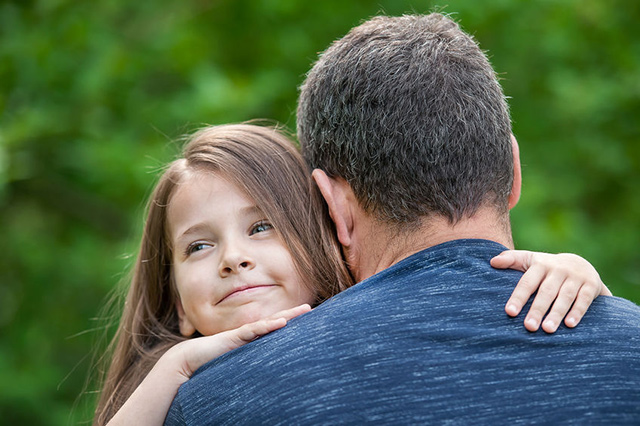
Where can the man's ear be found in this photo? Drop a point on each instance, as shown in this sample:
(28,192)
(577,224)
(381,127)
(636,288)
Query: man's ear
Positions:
(517,174)
(186,328)
(336,192)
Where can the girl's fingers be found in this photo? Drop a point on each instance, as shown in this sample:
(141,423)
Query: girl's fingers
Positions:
(585,296)
(545,296)
(252,331)
(527,285)
(561,281)
(292,313)
(520,260)
(198,351)
(568,291)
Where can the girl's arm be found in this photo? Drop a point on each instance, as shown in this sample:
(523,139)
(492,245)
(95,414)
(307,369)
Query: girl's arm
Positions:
(560,279)
(150,402)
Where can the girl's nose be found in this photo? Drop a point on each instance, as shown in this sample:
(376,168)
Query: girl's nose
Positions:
(233,261)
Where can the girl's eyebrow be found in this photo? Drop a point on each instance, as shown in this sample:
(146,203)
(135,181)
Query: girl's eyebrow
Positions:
(199,227)
(251,210)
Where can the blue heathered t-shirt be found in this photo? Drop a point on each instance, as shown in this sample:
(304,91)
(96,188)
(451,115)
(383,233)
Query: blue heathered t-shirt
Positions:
(426,341)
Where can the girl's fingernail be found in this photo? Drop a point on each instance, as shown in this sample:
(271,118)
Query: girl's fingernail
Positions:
(571,322)
(511,309)
(531,323)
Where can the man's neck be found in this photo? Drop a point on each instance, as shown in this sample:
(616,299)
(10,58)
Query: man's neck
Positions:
(379,247)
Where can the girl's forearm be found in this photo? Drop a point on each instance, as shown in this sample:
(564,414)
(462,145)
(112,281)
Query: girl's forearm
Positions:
(150,402)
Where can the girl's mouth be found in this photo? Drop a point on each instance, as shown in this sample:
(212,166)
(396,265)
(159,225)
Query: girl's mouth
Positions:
(245,289)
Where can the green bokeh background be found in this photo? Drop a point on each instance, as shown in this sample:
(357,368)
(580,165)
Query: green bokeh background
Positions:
(93,94)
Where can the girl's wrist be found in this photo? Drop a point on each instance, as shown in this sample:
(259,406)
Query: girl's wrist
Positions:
(172,367)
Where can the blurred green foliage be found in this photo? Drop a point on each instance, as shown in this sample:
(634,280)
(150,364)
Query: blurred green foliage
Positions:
(92,94)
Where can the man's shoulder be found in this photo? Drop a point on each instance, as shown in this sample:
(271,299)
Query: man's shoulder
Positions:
(613,310)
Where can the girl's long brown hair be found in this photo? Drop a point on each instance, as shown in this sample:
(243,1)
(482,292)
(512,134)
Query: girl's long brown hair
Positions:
(263,163)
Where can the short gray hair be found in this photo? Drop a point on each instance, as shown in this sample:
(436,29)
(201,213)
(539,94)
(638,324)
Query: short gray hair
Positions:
(409,111)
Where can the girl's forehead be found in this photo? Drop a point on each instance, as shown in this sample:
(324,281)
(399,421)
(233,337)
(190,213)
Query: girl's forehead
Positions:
(202,195)
(199,186)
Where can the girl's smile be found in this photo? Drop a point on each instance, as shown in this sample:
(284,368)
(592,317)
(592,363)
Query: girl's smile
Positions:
(246,290)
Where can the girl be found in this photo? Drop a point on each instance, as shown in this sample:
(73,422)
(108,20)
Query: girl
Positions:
(237,241)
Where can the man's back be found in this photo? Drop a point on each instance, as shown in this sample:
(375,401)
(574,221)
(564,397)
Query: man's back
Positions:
(427,340)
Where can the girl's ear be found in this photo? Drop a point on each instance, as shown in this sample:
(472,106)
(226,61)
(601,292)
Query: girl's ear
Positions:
(336,194)
(186,328)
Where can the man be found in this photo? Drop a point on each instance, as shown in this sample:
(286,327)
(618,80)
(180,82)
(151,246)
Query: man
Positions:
(409,134)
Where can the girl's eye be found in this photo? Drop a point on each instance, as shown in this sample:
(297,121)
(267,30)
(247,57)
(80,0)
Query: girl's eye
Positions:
(261,226)
(192,248)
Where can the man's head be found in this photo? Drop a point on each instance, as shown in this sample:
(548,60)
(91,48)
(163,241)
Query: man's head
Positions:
(408,111)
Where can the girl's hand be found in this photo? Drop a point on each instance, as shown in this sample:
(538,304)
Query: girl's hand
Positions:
(192,354)
(564,278)
(150,402)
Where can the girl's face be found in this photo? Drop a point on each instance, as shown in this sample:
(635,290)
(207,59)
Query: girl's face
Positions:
(229,264)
